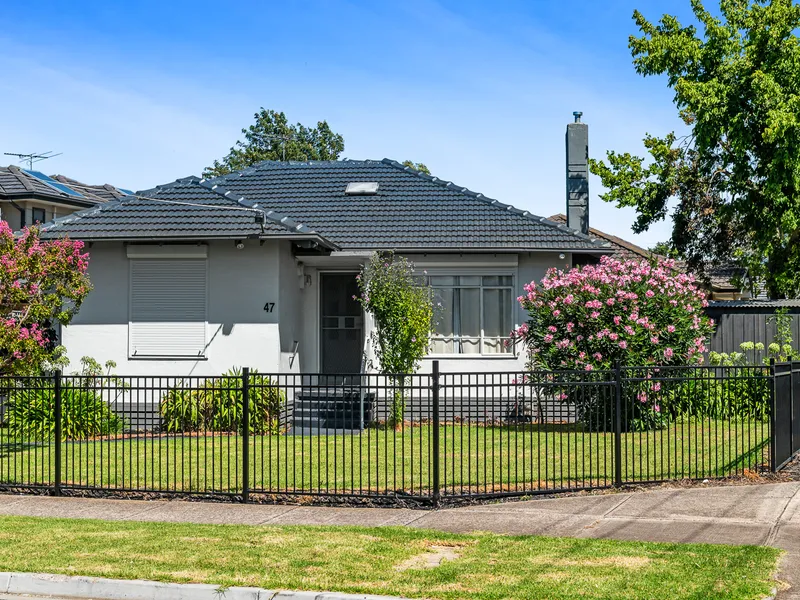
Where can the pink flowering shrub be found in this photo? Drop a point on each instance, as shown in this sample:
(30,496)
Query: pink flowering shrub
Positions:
(41,283)
(637,313)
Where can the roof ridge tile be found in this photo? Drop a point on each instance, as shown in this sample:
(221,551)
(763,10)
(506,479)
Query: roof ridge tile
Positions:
(283,220)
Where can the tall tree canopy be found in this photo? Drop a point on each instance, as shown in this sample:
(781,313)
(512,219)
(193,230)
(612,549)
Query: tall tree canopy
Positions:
(735,178)
(272,137)
(417,166)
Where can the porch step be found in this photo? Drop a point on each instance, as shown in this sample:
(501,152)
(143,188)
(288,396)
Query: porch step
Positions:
(330,409)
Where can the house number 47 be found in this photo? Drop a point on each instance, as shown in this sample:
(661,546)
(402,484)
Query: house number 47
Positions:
(269,307)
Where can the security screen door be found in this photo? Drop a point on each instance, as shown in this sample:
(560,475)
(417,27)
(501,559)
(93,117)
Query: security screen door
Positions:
(342,324)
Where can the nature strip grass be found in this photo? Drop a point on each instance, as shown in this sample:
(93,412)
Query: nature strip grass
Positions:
(386,560)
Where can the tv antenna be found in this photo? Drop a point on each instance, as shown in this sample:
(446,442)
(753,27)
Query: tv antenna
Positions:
(33,157)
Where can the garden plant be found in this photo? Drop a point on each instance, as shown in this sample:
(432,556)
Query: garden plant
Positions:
(86,400)
(216,405)
(404,319)
(42,283)
(633,313)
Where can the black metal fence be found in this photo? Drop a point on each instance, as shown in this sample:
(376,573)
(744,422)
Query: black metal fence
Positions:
(423,438)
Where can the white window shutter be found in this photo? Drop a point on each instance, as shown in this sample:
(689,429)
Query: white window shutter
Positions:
(168,308)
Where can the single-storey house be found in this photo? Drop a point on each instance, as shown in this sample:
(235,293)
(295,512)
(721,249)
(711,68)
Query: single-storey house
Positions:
(28,197)
(258,268)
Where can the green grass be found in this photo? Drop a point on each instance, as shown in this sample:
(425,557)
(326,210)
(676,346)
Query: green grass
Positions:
(473,458)
(369,560)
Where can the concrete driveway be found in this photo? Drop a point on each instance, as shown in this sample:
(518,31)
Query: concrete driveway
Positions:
(763,514)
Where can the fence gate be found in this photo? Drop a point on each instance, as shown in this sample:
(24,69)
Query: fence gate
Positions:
(786,414)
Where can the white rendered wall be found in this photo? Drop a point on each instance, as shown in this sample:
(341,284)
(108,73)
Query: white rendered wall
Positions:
(239,331)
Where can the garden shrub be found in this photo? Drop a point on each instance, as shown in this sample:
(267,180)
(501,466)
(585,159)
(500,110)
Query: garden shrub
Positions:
(217,405)
(404,319)
(85,406)
(30,412)
(637,313)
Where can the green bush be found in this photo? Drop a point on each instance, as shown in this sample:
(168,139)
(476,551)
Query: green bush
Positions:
(217,405)
(30,413)
(732,392)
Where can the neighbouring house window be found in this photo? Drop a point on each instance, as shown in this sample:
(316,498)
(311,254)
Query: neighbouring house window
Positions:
(167,308)
(476,315)
(38,215)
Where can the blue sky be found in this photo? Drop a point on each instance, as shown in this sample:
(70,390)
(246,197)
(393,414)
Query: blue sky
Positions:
(141,93)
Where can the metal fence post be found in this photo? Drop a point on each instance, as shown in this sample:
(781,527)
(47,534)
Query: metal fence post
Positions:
(58,424)
(773,447)
(245,434)
(618,425)
(435,401)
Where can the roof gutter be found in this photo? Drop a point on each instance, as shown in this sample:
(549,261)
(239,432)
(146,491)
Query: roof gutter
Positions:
(327,244)
(46,198)
(489,250)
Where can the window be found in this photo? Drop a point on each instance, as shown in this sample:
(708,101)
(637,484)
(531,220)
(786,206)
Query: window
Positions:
(167,308)
(476,313)
(38,215)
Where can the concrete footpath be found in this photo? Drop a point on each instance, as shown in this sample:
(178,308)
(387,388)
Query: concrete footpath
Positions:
(766,514)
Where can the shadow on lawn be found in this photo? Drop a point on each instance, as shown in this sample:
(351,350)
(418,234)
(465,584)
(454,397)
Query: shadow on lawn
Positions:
(7,449)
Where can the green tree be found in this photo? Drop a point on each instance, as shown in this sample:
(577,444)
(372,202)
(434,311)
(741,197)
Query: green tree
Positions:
(665,249)
(403,313)
(417,166)
(735,177)
(272,137)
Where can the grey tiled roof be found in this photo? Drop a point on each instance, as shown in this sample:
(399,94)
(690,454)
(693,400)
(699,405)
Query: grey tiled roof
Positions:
(188,209)
(15,183)
(104,192)
(411,210)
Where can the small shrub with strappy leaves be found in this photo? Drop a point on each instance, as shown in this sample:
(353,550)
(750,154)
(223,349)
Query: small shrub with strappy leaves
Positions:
(217,405)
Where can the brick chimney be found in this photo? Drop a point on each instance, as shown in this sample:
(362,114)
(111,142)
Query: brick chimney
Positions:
(578,174)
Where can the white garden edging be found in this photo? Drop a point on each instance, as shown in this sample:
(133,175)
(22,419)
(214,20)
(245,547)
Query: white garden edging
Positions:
(98,588)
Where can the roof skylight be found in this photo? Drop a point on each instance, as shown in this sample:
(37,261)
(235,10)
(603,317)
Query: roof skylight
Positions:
(361,188)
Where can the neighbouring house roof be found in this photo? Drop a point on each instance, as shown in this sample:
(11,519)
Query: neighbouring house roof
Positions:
(409,211)
(719,277)
(754,303)
(619,247)
(187,209)
(20,184)
(105,192)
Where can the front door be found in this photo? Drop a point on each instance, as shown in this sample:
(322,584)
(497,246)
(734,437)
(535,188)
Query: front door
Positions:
(342,324)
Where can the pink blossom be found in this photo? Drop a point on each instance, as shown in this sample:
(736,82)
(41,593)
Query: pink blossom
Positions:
(548,338)
(671,328)
(668,353)
(623,344)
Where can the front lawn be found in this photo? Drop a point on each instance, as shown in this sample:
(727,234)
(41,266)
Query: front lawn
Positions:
(385,560)
(473,459)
